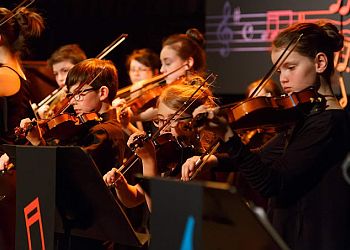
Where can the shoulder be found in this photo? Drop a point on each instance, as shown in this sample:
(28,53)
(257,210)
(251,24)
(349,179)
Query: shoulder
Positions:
(111,127)
(332,124)
(10,82)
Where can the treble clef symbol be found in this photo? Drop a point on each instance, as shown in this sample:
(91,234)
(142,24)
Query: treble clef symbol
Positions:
(224,32)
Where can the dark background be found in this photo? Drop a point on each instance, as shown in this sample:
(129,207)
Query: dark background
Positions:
(95,24)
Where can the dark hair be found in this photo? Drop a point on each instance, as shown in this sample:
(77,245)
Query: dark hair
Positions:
(146,57)
(87,70)
(317,37)
(189,45)
(24,24)
(69,52)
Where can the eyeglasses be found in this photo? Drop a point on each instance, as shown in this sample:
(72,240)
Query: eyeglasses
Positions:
(159,122)
(133,70)
(80,95)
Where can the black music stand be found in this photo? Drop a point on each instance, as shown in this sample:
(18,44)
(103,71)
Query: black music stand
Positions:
(87,207)
(205,215)
(66,179)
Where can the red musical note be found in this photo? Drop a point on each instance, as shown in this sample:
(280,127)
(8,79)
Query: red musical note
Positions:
(344,10)
(277,20)
(334,7)
(341,58)
(33,218)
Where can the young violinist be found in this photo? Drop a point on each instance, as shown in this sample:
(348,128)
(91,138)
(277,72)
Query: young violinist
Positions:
(105,141)
(183,49)
(171,99)
(142,64)
(61,61)
(301,173)
(14,90)
(182,53)
(15,30)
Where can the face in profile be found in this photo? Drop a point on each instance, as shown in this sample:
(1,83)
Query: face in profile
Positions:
(60,71)
(297,72)
(171,61)
(88,100)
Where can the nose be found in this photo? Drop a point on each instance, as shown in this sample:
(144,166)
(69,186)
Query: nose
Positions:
(283,78)
(162,69)
(72,101)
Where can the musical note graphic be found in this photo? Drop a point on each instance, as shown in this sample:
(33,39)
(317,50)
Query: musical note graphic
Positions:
(32,215)
(224,32)
(344,10)
(234,31)
(341,58)
(334,7)
(277,20)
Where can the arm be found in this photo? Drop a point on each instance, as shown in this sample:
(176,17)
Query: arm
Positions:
(129,195)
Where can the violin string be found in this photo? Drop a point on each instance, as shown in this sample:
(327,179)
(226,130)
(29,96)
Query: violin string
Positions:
(15,11)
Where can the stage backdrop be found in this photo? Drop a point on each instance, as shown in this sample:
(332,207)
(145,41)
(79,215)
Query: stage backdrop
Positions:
(239,34)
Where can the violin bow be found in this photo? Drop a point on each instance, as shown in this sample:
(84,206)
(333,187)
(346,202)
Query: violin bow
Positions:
(111,46)
(154,81)
(276,66)
(134,158)
(185,105)
(78,90)
(201,161)
(15,11)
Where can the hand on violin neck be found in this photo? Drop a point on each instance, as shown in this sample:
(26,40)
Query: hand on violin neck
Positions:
(118,102)
(30,131)
(4,162)
(124,115)
(114,178)
(142,146)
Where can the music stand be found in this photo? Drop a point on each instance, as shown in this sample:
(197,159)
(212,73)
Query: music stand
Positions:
(87,207)
(66,179)
(205,215)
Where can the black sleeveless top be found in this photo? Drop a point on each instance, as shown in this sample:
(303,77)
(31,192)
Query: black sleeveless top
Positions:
(13,109)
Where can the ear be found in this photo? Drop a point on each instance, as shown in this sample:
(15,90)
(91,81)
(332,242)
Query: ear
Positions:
(321,62)
(103,92)
(189,62)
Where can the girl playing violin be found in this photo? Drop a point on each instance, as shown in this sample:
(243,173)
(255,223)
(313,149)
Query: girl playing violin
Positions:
(301,172)
(183,49)
(182,53)
(15,29)
(142,64)
(61,61)
(171,99)
(14,90)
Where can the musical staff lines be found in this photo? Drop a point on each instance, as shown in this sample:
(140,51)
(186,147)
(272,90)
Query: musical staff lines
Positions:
(233,31)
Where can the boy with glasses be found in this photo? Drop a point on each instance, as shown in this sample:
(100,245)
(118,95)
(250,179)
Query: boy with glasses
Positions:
(92,85)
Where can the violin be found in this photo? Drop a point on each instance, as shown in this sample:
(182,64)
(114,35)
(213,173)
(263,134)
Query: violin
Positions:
(146,100)
(62,126)
(261,111)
